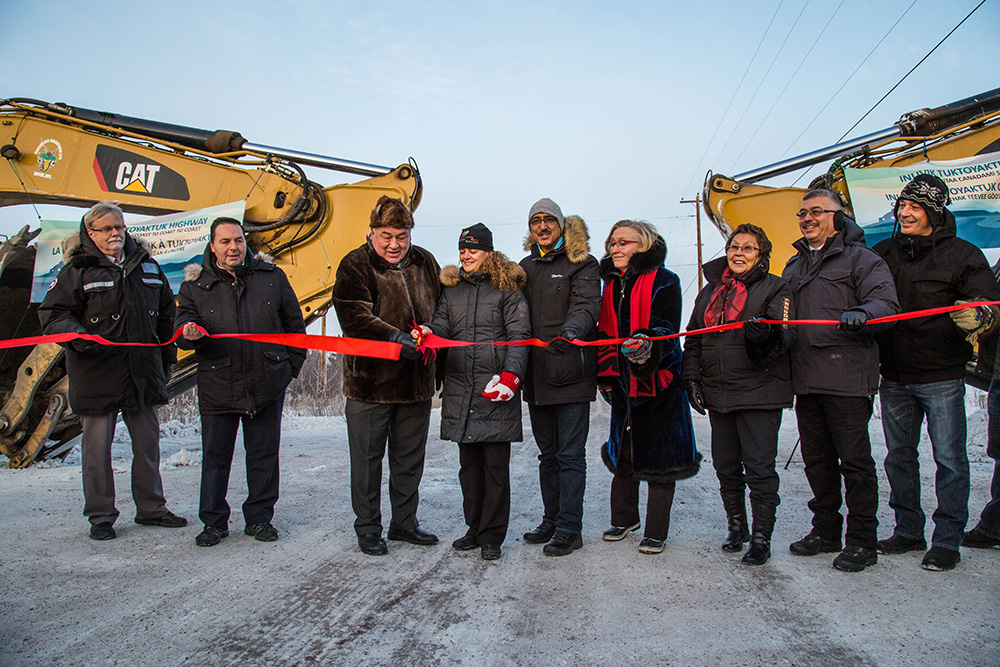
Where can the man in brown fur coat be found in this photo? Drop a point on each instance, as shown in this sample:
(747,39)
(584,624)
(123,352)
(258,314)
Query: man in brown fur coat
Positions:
(382,289)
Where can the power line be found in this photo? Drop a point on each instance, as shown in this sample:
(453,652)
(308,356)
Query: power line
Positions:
(790,79)
(759,85)
(843,85)
(982,2)
(732,99)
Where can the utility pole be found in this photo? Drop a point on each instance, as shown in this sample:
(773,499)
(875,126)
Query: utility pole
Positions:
(697,215)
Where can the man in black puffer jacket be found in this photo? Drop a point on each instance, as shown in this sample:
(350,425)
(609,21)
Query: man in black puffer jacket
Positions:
(923,367)
(238,381)
(564,300)
(111,287)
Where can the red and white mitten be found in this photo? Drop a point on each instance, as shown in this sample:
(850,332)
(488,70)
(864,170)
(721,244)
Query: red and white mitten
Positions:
(502,387)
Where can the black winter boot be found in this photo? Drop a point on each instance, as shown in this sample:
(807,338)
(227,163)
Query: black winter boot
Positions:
(763,526)
(736,512)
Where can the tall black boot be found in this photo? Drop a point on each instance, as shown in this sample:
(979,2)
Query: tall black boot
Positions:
(736,512)
(763,526)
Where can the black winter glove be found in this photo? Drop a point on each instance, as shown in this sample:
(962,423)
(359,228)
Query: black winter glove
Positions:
(853,320)
(696,396)
(409,350)
(756,331)
(563,346)
(84,346)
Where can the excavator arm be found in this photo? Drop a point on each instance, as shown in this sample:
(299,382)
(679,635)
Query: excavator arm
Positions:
(60,154)
(957,130)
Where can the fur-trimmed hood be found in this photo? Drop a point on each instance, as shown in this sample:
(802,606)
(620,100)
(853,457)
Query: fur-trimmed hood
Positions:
(193,270)
(504,274)
(575,237)
(639,263)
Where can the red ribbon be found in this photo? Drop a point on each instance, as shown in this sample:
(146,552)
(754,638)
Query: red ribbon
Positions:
(377,349)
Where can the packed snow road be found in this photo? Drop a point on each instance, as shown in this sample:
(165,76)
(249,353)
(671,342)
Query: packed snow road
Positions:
(151,597)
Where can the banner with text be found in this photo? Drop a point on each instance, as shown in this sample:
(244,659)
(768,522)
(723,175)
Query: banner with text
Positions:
(975,196)
(174,240)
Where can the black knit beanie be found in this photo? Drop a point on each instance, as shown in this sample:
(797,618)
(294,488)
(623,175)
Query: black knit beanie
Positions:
(478,236)
(930,192)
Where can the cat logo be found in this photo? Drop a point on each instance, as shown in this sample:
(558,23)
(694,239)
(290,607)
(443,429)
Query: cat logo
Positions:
(122,171)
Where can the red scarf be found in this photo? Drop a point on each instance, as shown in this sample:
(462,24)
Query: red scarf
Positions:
(640,301)
(728,301)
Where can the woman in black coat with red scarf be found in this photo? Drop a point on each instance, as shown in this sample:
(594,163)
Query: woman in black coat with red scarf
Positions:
(651,437)
(742,377)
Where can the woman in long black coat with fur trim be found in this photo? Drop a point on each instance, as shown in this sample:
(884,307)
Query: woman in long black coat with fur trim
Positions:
(482,302)
(651,437)
(742,377)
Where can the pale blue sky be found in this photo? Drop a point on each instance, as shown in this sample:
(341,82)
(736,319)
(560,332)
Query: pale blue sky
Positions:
(608,108)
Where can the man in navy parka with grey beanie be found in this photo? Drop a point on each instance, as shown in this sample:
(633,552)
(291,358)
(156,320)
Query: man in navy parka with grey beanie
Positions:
(564,301)
(922,362)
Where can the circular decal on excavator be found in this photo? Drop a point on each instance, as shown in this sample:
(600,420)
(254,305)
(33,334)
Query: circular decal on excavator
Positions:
(48,153)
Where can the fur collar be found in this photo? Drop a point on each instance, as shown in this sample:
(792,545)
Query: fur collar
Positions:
(576,239)
(80,250)
(504,274)
(639,263)
(193,270)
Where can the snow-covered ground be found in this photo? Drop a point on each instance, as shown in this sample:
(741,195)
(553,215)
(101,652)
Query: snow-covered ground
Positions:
(152,598)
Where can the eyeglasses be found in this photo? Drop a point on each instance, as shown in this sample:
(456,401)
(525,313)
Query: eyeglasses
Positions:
(107,230)
(814,212)
(745,249)
(619,244)
(542,219)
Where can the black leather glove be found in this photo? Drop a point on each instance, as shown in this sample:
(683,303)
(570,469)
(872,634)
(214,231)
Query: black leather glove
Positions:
(563,346)
(409,350)
(696,396)
(756,331)
(853,320)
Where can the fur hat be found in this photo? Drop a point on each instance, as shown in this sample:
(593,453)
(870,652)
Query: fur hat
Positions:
(930,192)
(389,212)
(546,205)
(478,236)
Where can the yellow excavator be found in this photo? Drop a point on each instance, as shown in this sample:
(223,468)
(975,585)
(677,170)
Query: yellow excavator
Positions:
(958,130)
(60,154)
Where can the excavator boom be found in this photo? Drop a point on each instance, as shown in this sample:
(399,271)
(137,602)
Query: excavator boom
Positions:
(61,154)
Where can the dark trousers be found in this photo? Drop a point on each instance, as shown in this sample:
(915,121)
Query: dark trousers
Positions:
(989,519)
(99,478)
(484,473)
(744,448)
(370,427)
(835,445)
(261,440)
(625,497)
(560,432)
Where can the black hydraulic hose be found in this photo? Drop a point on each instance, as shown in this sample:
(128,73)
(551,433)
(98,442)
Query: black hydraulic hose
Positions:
(300,203)
(320,219)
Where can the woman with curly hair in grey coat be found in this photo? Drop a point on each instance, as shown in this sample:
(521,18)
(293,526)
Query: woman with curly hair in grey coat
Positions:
(482,302)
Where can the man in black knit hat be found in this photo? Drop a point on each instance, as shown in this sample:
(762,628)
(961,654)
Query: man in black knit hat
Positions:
(922,362)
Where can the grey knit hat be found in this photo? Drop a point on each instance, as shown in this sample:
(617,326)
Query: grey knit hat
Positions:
(546,205)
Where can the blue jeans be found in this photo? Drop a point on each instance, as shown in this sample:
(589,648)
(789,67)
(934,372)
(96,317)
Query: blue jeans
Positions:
(903,411)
